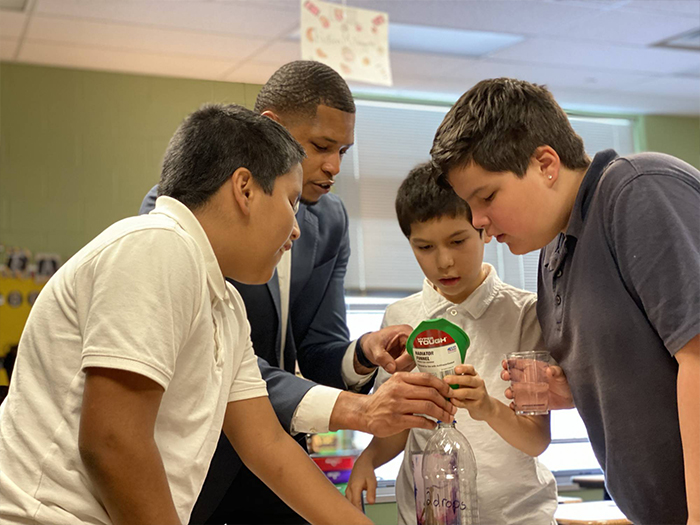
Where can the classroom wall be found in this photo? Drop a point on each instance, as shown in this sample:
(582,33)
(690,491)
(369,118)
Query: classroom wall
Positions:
(79,149)
(678,136)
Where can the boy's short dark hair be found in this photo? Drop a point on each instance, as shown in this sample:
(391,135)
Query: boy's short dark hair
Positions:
(421,199)
(216,140)
(499,123)
(299,87)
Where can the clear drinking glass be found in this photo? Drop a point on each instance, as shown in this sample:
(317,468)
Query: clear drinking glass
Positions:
(528,379)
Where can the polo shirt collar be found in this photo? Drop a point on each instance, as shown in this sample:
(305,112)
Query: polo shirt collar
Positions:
(181,214)
(587,189)
(475,305)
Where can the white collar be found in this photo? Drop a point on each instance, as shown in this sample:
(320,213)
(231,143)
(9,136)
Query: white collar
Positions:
(475,305)
(181,214)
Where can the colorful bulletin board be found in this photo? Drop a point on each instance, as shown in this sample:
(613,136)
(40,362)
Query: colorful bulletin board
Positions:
(21,279)
(17,295)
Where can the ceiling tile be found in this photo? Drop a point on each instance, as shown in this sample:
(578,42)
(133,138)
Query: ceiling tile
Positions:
(632,26)
(679,7)
(232,18)
(625,102)
(555,76)
(588,51)
(669,86)
(524,17)
(279,52)
(595,55)
(133,37)
(429,65)
(11,23)
(252,73)
(8,47)
(111,60)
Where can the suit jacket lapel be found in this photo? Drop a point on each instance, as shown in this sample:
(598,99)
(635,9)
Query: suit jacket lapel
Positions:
(303,253)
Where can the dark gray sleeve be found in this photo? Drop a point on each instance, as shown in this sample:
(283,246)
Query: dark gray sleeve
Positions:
(149,201)
(285,391)
(654,225)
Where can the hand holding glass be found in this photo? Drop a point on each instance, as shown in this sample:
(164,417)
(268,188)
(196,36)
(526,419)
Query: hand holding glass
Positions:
(528,379)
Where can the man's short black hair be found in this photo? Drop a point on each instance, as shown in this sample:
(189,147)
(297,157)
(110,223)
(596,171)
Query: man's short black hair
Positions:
(421,199)
(216,140)
(298,88)
(499,123)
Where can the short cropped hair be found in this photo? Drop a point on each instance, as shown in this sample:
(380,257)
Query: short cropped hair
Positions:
(499,123)
(298,88)
(215,141)
(421,199)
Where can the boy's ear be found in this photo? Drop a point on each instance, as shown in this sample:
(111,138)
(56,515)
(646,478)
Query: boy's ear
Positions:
(548,164)
(243,186)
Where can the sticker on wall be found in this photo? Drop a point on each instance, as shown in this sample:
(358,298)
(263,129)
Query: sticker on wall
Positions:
(31,297)
(352,41)
(14,299)
(18,261)
(47,264)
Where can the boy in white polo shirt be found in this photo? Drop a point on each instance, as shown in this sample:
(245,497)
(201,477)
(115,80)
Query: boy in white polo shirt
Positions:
(137,351)
(513,487)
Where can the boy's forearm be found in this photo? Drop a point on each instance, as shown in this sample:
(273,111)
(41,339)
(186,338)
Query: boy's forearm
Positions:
(116,444)
(689,419)
(131,481)
(383,450)
(284,466)
(529,434)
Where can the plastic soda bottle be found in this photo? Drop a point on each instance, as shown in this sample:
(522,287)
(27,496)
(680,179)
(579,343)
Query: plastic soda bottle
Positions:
(449,479)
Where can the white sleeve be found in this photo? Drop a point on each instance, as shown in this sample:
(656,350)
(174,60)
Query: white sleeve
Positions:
(247,382)
(313,413)
(353,380)
(136,301)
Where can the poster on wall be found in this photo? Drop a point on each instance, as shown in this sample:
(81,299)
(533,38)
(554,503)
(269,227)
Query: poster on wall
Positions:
(353,41)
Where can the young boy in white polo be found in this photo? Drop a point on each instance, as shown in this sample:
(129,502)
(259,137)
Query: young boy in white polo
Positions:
(513,487)
(137,351)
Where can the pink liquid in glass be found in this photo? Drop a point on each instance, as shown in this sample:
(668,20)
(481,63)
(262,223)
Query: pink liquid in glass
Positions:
(528,376)
(531,398)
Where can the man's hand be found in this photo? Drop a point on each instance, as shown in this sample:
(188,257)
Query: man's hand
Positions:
(393,407)
(560,396)
(387,348)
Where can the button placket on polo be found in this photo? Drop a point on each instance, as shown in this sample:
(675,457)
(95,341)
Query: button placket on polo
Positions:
(556,266)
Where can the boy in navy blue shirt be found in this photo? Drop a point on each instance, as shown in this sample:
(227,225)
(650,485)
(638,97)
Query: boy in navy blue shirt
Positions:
(618,285)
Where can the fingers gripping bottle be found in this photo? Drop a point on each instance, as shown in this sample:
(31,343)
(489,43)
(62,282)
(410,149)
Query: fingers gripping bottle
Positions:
(449,479)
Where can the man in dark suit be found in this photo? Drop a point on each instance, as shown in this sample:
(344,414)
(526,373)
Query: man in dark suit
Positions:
(299,315)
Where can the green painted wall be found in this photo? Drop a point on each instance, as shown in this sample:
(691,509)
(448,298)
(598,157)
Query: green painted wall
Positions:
(678,136)
(79,149)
